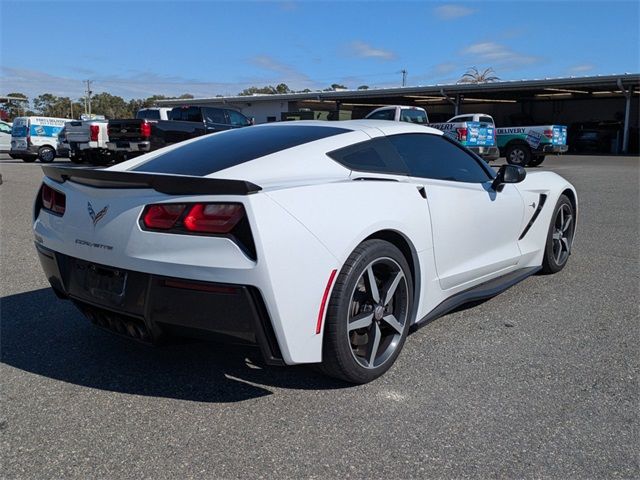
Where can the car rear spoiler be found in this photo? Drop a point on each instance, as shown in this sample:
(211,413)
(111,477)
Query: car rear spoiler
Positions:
(170,184)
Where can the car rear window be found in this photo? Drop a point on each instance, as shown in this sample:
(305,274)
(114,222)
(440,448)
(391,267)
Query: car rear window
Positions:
(148,114)
(233,147)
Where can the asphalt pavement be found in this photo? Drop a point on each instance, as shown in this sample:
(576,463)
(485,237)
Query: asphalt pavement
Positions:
(538,382)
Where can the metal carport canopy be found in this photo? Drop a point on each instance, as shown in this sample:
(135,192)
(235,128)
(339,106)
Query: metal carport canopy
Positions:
(588,84)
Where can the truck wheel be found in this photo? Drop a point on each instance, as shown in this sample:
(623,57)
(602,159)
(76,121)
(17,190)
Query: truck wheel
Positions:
(535,161)
(77,158)
(518,154)
(46,154)
(100,159)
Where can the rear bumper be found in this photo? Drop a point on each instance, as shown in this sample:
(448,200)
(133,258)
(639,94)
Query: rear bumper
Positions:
(126,146)
(487,153)
(30,151)
(163,305)
(555,148)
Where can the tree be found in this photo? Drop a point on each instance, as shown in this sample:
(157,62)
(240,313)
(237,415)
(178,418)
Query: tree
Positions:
(49,105)
(363,87)
(282,88)
(260,91)
(473,75)
(111,106)
(16,108)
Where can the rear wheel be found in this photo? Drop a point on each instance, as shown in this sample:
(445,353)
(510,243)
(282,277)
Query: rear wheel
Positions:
(369,313)
(46,154)
(560,237)
(518,154)
(100,159)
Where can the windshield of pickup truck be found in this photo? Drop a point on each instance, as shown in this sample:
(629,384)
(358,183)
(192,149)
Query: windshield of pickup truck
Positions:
(414,116)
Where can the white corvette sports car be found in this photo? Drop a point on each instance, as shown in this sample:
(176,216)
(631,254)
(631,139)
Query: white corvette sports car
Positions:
(320,242)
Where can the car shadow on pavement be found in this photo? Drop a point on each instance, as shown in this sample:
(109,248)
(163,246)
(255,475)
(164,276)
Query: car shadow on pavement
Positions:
(49,337)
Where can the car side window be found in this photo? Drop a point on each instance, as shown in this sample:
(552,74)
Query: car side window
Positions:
(5,128)
(237,119)
(376,155)
(214,115)
(388,114)
(434,156)
(486,119)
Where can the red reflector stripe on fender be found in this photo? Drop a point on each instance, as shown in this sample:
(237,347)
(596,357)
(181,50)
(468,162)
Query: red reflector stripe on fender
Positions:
(325,296)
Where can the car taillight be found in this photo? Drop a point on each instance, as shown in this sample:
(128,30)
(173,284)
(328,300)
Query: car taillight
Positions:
(548,133)
(462,134)
(53,201)
(213,217)
(95,131)
(216,218)
(162,216)
(145,129)
(227,219)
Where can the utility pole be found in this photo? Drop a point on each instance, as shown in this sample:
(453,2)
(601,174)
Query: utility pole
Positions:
(71,105)
(88,97)
(404,77)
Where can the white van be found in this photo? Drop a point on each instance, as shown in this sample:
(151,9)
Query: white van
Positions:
(5,137)
(35,137)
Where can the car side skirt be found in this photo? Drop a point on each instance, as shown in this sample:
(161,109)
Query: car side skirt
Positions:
(487,289)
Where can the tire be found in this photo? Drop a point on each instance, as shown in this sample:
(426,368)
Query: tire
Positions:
(535,161)
(518,154)
(100,159)
(361,354)
(77,158)
(28,159)
(46,154)
(560,237)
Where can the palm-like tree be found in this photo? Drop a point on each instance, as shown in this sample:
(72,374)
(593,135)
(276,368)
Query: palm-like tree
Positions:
(473,75)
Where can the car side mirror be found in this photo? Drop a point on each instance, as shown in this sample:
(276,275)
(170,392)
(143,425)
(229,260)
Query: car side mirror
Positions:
(508,174)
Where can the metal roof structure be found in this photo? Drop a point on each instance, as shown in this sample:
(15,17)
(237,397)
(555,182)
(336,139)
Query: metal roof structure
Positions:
(490,91)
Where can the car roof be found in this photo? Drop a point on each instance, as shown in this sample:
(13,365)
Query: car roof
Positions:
(386,127)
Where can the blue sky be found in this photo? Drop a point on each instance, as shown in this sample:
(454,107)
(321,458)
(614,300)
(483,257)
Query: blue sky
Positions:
(140,48)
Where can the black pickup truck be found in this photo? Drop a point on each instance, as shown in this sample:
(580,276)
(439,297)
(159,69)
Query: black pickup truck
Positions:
(131,137)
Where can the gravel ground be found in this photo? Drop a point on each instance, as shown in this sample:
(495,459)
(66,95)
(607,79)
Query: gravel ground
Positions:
(540,381)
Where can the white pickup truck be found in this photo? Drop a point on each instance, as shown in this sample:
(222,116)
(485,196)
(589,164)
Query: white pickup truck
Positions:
(87,141)
(476,131)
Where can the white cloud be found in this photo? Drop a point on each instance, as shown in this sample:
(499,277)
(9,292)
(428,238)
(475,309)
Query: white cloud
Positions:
(295,79)
(445,68)
(451,12)
(495,53)
(585,67)
(135,85)
(364,50)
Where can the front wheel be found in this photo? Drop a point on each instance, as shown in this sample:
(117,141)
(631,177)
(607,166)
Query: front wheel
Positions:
(518,154)
(559,237)
(46,154)
(369,313)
